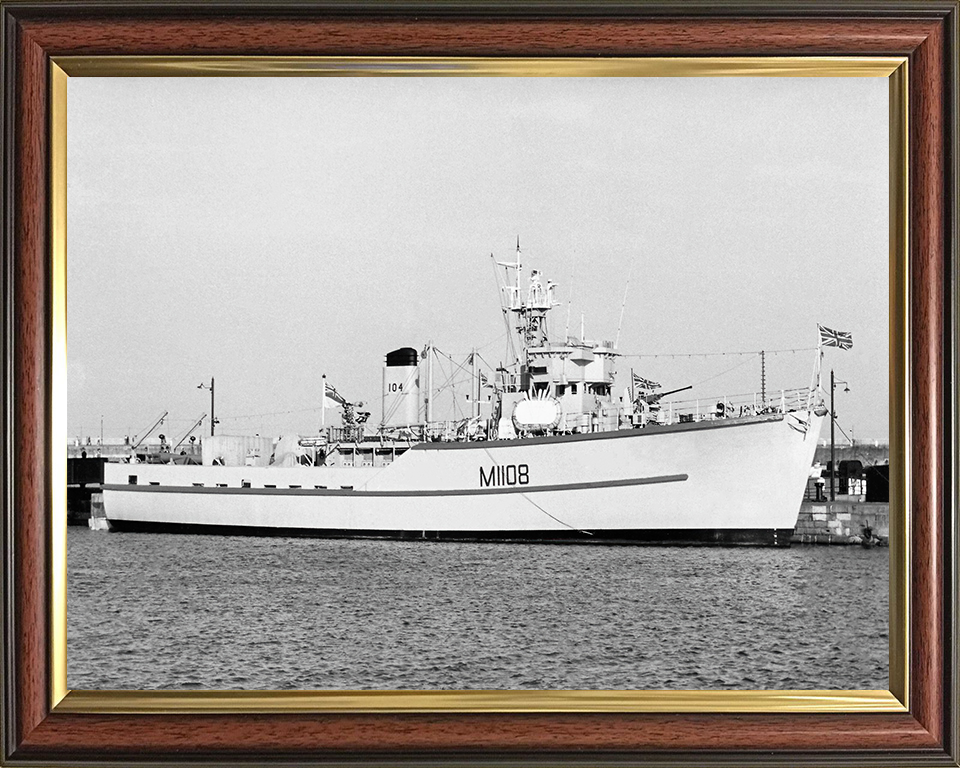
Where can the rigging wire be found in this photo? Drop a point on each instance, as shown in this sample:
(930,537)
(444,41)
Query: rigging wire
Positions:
(728,370)
(448,382)
(458,409)
(527,498)
(501,288)
(461,366)
(843,431)
(721,354)
(272,413)
(482,346)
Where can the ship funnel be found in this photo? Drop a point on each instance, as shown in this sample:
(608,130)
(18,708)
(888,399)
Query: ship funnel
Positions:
(401,389)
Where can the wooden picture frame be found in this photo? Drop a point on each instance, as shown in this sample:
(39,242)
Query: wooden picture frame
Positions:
(40,726)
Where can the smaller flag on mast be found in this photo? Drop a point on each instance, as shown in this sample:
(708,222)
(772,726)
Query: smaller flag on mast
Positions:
(832,338)
(645,383)
(332,398)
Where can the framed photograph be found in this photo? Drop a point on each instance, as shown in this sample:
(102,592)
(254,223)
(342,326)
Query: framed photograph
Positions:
(730,231)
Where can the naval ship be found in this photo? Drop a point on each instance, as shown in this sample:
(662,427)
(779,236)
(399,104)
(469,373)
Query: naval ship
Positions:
(553,455)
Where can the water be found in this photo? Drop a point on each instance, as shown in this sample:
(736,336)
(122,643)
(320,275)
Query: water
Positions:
(148,611)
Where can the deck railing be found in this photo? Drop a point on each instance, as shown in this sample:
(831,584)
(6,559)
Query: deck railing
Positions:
(730,406)
(605,418)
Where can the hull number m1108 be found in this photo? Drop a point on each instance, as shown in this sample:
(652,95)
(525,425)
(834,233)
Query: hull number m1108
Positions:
(507,474)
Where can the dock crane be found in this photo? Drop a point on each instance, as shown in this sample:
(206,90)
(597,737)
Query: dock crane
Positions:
(146,434)
(186,434)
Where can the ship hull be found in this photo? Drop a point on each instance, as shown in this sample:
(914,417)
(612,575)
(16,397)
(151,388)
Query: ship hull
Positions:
(723,482)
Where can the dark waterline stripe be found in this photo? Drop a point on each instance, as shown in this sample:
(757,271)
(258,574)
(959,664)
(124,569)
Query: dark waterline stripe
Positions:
(135,488)
(674,537)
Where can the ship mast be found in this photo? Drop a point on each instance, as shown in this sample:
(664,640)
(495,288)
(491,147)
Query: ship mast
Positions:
(529,311)
(428,398)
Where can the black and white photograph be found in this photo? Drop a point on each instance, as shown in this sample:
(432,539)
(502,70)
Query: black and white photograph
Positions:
(478,383)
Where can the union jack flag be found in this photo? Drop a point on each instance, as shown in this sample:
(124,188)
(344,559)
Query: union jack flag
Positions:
(645,383)
(832,338)
(332,398)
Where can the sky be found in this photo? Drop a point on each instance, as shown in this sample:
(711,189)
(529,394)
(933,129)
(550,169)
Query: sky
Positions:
(268,231)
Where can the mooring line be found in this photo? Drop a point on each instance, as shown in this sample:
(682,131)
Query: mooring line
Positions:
(552,517)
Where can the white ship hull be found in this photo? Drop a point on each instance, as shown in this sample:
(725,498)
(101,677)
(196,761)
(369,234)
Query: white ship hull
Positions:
(721,481)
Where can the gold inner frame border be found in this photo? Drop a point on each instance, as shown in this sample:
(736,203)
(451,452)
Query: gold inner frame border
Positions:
(895,69)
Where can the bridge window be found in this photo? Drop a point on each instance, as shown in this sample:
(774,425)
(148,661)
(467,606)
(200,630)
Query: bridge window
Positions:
(132,479)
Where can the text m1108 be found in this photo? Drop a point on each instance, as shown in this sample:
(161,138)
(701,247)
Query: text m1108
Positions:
(507,474)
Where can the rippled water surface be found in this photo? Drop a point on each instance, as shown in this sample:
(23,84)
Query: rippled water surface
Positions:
(172,611)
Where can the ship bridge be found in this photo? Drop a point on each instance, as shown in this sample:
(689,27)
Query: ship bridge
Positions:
(575,368)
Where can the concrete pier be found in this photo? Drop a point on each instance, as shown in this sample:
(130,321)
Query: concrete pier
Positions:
(840,522)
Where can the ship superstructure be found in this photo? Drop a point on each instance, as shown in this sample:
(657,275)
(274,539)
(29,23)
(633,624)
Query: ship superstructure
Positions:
(554,387)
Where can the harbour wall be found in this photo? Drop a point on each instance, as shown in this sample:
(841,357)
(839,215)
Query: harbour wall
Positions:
(867,453)
(840,522)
